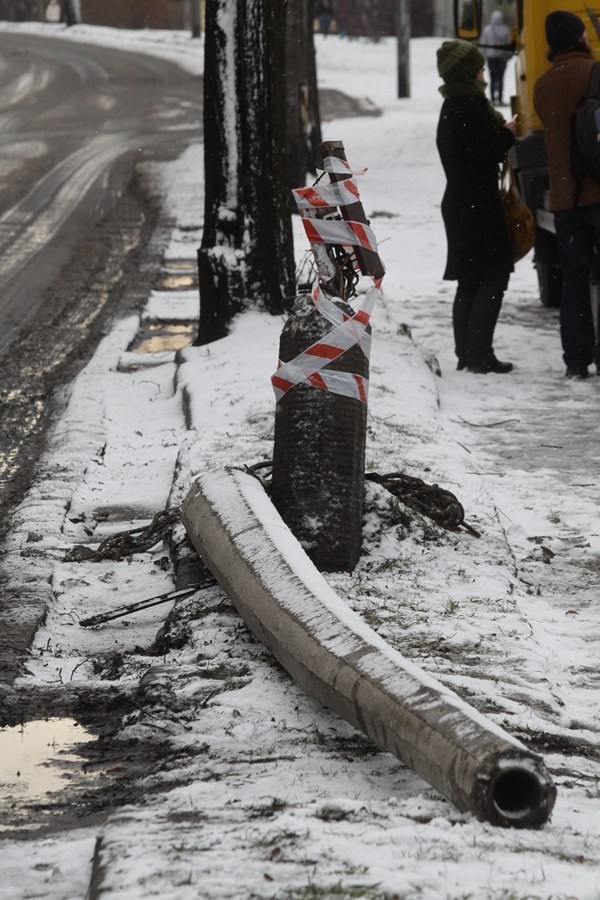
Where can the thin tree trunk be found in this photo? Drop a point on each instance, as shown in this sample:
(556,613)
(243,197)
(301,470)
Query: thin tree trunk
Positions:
(296,93)
(70,12)
(195,17)
(303,120)
(403,42)
(314,138)
(246,256)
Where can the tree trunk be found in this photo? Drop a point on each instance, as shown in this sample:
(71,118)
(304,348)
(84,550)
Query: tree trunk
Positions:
(303,120)
(70,12)
(403,43)
(296,93)
(314,138)
(195,18)
(246,256)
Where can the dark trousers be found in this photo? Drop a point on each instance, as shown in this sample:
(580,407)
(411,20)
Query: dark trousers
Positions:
(497,68)
(325,20)
(578,234)
(474,315)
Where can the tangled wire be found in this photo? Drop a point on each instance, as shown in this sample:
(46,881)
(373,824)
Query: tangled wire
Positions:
(344,283)
(428,499)
(120,546)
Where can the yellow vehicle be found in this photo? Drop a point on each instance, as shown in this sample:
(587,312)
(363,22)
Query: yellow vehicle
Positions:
(529,155)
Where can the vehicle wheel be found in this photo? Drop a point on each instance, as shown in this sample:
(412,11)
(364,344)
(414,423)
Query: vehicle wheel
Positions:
(548,268)
(550,283)
(595,289)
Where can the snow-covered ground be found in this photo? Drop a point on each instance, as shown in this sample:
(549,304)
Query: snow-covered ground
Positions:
(277,797)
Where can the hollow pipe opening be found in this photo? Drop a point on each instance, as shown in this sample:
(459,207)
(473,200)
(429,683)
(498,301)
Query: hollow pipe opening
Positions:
(516,794)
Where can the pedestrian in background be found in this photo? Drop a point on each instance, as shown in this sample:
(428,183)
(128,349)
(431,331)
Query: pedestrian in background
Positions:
(340,18)
(576,208)
(496,46)
(473,139)
(53,11)
(323,11)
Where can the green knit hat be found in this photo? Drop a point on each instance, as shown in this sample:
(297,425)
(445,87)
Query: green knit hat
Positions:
(459,61)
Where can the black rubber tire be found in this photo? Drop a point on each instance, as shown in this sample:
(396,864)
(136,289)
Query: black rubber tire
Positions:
(548,268)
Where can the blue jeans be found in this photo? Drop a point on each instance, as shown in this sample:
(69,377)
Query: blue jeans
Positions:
(578,234)
(325,20)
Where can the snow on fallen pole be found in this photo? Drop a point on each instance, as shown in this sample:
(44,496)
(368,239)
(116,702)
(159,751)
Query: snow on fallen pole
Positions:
(331,652)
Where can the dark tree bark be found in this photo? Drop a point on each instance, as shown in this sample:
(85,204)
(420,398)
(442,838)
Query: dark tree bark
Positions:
(195,18)
(303,121)
(246,256)
(403,44)
(314,137)
(69,12)
(296,93)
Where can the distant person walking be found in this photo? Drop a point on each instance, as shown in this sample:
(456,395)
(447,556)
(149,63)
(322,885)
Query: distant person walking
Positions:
(495,39)
(340,18)
(53,11)
(323,11)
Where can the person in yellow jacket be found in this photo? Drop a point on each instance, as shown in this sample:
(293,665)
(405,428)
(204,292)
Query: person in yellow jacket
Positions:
(576,207)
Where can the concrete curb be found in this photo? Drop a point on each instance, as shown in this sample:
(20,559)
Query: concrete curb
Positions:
(344,664)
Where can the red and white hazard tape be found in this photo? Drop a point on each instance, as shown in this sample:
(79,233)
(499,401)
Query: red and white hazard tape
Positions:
(348,331)
(338,193)
(337,166)
(306,368)
(348,234)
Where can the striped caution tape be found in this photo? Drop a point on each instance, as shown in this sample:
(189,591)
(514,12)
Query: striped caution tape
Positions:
(326,231)
(347,234)
(334,314)
(334,165)
(306,368)
(338,193)
(309,367)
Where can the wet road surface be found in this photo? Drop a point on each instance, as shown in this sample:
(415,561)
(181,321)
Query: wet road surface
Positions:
(74,215)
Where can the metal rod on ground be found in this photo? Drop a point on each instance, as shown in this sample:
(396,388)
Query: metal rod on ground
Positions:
(334,655)
(129,608)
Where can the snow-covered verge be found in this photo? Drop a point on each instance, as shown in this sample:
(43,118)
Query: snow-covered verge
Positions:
(274,796)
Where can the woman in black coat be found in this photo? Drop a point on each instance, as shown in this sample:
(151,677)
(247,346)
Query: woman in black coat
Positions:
(472,139)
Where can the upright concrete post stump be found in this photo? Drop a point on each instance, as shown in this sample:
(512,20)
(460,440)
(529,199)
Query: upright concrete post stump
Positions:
(322,383)
(319,450)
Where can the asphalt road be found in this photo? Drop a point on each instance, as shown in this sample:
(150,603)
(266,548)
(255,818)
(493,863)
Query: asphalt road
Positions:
(75,219)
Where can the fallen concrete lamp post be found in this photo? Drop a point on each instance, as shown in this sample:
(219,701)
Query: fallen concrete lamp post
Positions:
(339,660)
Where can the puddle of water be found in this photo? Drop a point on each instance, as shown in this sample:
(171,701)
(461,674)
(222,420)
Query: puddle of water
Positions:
(180,265)
(176,282)
(164,337)
(35,758)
